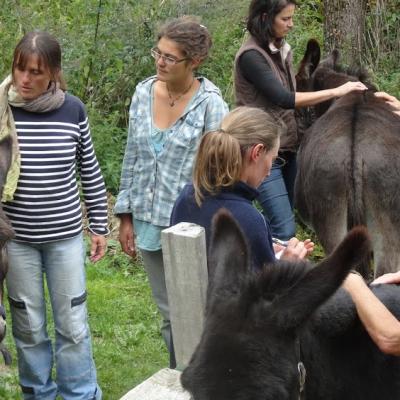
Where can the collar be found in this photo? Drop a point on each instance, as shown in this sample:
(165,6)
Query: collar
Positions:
(284,49)
(243,189)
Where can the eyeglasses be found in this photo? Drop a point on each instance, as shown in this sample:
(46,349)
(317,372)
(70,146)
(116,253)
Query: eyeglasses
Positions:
(279,162)
(167,59)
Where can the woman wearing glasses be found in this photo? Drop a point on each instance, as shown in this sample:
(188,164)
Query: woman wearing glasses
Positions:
(230,165)
(264,78)
(168,115)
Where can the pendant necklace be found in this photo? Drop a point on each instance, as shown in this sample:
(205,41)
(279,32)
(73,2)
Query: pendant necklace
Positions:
(172,100)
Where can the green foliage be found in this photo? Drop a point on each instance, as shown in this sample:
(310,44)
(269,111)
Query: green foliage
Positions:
(382,53)
(108,140)
(106,47)
(308,23)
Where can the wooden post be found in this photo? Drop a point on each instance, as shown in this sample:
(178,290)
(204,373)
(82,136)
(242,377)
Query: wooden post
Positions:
(164,385)
(186,276)
(185,263)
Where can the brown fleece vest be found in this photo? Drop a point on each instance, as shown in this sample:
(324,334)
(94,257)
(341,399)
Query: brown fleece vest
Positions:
(247,93)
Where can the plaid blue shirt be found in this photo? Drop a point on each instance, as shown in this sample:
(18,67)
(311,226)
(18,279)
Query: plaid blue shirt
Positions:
(150,184)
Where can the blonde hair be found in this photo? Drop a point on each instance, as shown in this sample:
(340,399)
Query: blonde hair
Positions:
(219,160)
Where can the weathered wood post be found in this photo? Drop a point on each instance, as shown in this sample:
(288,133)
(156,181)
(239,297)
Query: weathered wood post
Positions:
(185,261)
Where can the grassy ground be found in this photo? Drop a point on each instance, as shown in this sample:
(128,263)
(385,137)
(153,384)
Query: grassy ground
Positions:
(124,323)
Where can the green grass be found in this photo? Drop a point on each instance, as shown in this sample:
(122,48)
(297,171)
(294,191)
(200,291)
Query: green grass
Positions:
(124,322)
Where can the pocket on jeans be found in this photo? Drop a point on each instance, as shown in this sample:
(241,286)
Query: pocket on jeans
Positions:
(21,325)
(79,317)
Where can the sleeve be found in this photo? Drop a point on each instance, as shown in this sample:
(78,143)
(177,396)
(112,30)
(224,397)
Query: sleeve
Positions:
(257,71)
(122,204)
(215,112)
(93,187)
(261,241)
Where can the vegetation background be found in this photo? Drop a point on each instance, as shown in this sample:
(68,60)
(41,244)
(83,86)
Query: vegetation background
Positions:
(106,52)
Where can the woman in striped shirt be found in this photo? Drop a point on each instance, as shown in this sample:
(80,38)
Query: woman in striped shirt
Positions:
(41,198)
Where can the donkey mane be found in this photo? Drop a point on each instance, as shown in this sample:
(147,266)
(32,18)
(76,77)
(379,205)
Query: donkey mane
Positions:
(279,277)
(355,71)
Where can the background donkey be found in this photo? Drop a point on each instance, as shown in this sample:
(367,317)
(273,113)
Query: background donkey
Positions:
(6,233)
(348,164)
(259,326)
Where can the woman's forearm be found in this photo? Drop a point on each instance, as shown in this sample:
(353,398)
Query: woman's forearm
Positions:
(380,323)
(304,99)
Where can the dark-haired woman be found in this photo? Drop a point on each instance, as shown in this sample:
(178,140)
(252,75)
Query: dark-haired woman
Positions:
(264,78)
(169,114)
(51,141)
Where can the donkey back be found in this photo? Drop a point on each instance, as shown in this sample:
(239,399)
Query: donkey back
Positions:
(348,164)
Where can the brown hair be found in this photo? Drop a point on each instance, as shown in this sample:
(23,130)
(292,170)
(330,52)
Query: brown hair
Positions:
(46,47)
(219,160)
(192,37)
(261,18)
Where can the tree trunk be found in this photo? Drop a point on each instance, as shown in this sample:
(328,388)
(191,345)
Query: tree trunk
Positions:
(344,28)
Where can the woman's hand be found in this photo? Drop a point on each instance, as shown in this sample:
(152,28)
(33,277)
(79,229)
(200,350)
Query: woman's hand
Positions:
(349,87)
(98,247)
(391,277)
(126,235)
(391,100)
(297,250)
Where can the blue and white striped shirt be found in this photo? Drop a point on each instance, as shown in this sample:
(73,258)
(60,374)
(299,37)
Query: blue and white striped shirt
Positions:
(54,146)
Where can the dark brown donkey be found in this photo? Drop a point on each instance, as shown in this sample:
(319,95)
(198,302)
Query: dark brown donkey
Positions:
(6,233)
(349,164)
(264,329)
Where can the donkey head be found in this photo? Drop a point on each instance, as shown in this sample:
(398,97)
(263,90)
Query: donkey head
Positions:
(249,347)
(314,75)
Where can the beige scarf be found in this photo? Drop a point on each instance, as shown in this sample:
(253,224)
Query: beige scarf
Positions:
(52,99)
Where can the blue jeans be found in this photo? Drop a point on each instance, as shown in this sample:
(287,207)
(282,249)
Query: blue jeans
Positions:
(62,263)
(276,197)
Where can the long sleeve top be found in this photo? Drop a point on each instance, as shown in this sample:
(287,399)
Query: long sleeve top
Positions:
(54,147)
(239,201)
(257,71)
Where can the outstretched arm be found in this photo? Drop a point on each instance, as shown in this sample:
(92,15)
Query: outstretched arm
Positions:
(380,323)
(304,99)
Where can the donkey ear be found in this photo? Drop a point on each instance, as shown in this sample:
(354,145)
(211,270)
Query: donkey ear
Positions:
(310,60)
(228,255)
(332,60)
(315,287)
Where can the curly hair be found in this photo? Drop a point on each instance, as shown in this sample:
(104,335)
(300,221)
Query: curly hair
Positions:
(192,37)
